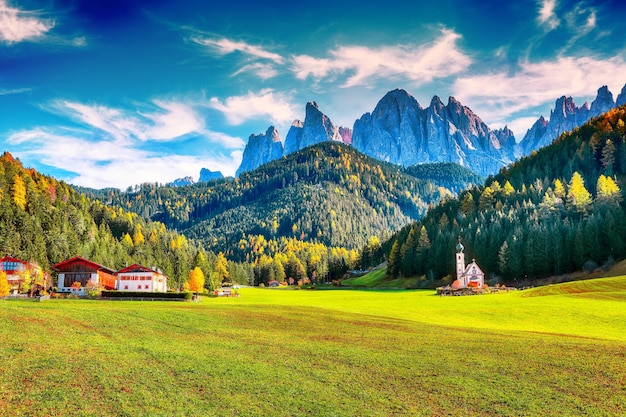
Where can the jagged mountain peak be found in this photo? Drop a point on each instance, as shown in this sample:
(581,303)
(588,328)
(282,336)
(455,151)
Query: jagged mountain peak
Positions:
(603,102)
(260,149)
(566,116)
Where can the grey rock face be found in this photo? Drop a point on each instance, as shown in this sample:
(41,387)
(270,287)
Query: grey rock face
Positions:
(400,131)
(261,149)
(317,127)
(293,141)
(621,98)
(603,102)
(207,175)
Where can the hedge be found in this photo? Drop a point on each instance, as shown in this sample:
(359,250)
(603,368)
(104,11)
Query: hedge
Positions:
(139,294)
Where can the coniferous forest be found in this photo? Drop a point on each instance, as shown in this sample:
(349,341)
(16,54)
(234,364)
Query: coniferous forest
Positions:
(328,194)
(557,211)
(46,221)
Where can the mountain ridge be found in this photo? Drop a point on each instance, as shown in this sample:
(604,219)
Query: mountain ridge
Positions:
(399,130)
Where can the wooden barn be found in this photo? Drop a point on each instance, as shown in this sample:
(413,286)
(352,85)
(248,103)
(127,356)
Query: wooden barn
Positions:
(83,271)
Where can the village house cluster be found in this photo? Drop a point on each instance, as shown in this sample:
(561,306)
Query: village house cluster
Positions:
(76,273)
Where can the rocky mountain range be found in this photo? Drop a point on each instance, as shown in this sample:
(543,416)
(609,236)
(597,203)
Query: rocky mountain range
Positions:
(399,130)
(402,132)
(316,128)
(567,116)
(206,175)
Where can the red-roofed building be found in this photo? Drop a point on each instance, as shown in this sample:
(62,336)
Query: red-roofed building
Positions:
(19,271)
(83,271)
(140,278)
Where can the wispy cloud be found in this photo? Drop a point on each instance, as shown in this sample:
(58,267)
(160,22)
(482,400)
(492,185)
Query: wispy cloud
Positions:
(264,104)
(6,92)
(262,71)
(499,95)
(362,64)
(114,147)
(224,46)
(166,120)
(547,17)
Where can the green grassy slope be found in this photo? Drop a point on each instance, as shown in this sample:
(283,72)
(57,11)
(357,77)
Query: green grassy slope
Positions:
(330,353)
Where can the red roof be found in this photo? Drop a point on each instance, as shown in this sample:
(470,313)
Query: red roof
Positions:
(79,259)
(9,258)
(136,268)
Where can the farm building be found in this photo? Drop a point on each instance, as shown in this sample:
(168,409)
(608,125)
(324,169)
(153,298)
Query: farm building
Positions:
(83,271)
(19,272)
(140,278)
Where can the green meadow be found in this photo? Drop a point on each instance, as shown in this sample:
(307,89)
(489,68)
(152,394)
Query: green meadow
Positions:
(550,351)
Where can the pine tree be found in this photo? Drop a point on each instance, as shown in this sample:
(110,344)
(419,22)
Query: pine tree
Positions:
(393,263)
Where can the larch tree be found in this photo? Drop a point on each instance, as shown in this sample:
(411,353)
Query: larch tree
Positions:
(196,280)
(19,192)
(578,197)
(221,268)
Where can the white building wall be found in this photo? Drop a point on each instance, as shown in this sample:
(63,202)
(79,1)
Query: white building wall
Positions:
(141,281)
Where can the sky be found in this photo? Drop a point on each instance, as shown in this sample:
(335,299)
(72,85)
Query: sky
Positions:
(114,93)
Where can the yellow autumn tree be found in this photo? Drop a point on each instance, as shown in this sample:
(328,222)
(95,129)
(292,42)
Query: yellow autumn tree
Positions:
(608,191)
(138,237)
(221,268)
(196,280)
(4,284)
(577,195)
(19,192)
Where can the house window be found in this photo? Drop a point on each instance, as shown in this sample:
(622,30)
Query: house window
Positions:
(125,287)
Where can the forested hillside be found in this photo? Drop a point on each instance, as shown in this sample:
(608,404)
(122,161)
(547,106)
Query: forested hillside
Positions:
(46,221)
(556,211)
(328,193)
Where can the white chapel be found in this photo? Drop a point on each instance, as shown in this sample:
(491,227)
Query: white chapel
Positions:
(467,276)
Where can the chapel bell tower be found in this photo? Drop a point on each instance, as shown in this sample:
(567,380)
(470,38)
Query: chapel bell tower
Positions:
(460,261)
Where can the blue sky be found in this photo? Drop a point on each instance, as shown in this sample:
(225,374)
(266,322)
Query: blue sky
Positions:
(114,93)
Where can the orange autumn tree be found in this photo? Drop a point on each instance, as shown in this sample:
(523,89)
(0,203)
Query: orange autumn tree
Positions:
(196,280)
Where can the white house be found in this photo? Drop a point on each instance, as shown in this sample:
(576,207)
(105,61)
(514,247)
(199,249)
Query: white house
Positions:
(467,276)
(140,278)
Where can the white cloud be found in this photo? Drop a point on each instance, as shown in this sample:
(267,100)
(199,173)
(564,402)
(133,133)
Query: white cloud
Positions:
(225,46)
(178,120)
(263,71)
(102,163)
(547,14)
(264,104)
(418,63)
(18,26)
(499,95)
(115,147)
(167,120)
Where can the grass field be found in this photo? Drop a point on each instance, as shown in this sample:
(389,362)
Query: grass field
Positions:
(550,351)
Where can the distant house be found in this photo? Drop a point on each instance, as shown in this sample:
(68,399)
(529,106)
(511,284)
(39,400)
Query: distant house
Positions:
(140,278)
(18,271)
(83,271)
(467,276)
